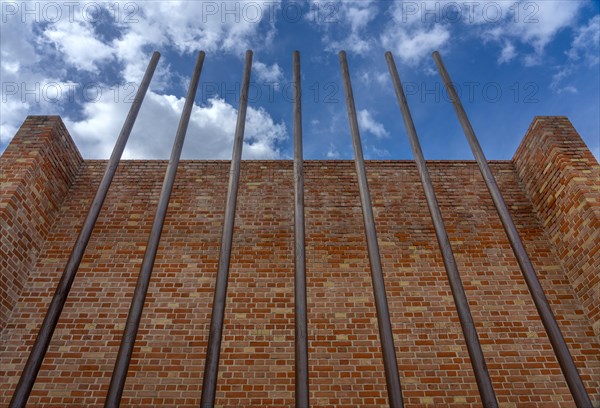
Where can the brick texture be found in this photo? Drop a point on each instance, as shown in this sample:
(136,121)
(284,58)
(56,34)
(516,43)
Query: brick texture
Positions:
(257,357)
(562,178)
(36,171)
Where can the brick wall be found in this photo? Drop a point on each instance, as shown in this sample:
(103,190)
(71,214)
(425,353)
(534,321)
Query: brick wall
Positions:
(562,178)
(36,171)
(257,358)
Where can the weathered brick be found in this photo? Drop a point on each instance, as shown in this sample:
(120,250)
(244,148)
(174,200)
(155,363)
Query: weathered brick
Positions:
(562,179)
(36,172)
(257,358)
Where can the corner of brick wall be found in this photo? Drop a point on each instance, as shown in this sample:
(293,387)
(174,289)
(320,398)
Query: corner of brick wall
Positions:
(36,172)
(561,176)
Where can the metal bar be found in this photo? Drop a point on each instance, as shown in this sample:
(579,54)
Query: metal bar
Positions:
(211,366)
(559,345)
(119,375)
(301,335)
(38,352)
(484,383)
(383,315)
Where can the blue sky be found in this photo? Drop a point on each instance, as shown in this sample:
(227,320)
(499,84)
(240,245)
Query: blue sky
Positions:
(512,60)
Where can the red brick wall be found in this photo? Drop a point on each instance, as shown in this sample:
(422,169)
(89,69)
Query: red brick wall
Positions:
(36,171)
(562,178)
(257,359)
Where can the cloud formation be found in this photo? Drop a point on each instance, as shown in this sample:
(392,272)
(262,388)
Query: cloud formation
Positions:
(29,49)
(368,124)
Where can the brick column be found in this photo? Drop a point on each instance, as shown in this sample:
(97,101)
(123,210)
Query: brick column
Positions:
(36,171)
(561,177)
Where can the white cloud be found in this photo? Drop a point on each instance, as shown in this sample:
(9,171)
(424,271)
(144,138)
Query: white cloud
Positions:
(552,17)
(77,43)
(568,89)
(185,27)
(17,51)
(558,78)
(359,13)
(354,43)
(374,153)
(268,73)
(413,34)
(586,44)
(209,136)
(17,42)
(346,23)
(508,53)
(584,48)
(189,27)
(369,77)
(332,152)
(382,78)
(420,27)
(368,124)
(533,24)
(206,25)
(13,114)
(412,46)
(26,88)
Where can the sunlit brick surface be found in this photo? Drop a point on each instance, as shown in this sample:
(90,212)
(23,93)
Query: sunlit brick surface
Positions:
(257,358)
(563,179)
(36,171)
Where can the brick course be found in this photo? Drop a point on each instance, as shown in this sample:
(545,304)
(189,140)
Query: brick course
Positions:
(562,178)
(257,354)
(36,171)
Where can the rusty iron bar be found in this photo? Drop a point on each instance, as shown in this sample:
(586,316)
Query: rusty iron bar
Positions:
(211,366)
(301,334)
(557,340)
(390,364)
(482,376)
(40,347)
(119,375)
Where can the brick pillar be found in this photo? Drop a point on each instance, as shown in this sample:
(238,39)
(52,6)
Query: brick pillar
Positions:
(561,177)
(36,171)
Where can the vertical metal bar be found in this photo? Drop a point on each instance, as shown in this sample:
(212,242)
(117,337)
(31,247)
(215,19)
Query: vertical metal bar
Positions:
(383,315)
(484,383)
(211,366)
(301,335)
(119,375)
(38,352)
(559,345)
